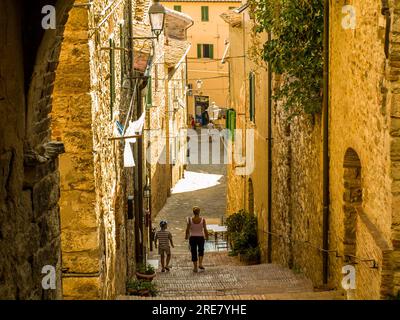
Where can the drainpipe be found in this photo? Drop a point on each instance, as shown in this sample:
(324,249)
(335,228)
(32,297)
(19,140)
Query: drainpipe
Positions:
(386,12)
(269,208)
(326,196)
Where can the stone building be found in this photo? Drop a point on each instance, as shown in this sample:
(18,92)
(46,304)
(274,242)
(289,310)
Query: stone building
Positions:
(247,170)
(63,96)
(364,177)
(100,241)
(167,109)
(363,212)
(208,77)
(29,183)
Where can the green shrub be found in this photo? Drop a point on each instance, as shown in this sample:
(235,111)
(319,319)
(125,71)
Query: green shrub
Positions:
(141,287)
(252,254)
(145,269)
(242,230)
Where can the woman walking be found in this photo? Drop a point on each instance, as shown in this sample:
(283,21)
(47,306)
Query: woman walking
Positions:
(197,229)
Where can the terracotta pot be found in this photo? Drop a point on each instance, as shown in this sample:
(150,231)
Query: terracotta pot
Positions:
(146,277)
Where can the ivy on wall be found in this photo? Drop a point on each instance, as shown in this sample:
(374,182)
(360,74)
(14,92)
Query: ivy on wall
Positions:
(295,50)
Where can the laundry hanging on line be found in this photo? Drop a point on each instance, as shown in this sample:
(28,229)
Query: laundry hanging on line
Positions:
(134,128)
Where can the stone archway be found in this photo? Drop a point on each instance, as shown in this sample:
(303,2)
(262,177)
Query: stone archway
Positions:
(352,200)
(29,183)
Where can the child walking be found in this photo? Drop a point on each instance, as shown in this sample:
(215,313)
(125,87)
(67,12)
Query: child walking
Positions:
(164,238)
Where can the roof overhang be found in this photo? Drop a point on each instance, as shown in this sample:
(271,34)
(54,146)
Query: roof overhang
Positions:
(176,24)
(232,18)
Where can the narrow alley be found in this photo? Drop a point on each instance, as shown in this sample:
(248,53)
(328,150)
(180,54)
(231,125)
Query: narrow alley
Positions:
(225,277)
(279,119)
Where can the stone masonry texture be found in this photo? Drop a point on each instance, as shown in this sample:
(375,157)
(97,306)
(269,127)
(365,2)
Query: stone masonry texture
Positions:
(29,178)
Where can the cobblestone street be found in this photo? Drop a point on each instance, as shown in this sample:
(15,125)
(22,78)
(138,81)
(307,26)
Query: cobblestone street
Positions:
(224,277)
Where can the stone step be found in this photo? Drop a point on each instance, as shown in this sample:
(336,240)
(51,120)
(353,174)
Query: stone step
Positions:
(324,295)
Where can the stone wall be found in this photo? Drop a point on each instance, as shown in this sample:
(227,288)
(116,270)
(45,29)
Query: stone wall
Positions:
(358,110)
(297,192)
(72,124)
(391,280)
(29,179)
(110,102)
(236,183)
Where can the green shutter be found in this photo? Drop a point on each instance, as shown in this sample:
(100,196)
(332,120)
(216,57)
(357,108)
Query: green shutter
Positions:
(211,51)
(199,55)
(112,76)
(178,8)
(204,13)
(122,53)
(233,124)
(252,96)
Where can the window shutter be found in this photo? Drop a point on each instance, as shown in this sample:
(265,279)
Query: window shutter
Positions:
(204,13)
(252,96)
(178,8)
(211,46)
(199,55)
(122,53)
(233,124)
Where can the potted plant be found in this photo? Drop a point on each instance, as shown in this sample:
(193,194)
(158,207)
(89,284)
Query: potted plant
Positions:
(145,272)
(141,288)
(242,232)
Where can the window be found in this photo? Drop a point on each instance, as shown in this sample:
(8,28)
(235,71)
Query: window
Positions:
(252,96)
(205,51)
(204,13)
(178,8)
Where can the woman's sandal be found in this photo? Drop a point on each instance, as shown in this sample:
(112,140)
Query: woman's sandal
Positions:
(201,268)
(195,270)
(167,268)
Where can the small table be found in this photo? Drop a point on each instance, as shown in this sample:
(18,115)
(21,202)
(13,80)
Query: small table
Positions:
(218,229)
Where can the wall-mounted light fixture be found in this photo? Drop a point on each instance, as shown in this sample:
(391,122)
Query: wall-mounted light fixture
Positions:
(157,20)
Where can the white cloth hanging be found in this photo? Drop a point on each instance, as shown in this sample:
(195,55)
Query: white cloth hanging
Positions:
(134,128)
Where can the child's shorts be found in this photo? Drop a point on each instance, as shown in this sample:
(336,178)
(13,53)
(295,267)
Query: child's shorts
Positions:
(164,250)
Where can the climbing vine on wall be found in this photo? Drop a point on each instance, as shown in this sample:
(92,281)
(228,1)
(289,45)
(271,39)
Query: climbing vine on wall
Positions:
(295,49)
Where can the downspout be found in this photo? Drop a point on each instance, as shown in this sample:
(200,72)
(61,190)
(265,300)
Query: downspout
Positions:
(386,12)
(269,205)
(326,196)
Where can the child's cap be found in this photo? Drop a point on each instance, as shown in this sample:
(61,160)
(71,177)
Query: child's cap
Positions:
(163,223)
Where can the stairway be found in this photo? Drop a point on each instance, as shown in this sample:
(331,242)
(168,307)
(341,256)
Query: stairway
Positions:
(226,278)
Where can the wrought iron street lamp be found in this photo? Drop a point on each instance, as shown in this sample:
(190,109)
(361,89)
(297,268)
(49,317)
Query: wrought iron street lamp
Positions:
(157,18)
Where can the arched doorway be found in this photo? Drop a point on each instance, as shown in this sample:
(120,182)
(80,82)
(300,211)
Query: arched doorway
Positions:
(352,201)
